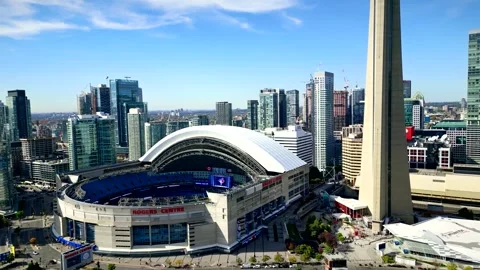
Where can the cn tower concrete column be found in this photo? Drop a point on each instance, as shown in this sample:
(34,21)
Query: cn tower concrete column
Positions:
(384,176)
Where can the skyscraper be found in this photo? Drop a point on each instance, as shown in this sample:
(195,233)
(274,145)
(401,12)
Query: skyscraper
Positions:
(340,109)
(123,92)
(307,105)
(384,176)
(101,99)
(19,115)
(293,107)
(322,120)
(356,96)
(154,132)
(136,134)
(84,103)
(268,109)
(282,108)
(407,89)
(473,99)
(199,120)
(143,106)
(7,189)
(91,141)
(252,114)
(414,115)
(224,113)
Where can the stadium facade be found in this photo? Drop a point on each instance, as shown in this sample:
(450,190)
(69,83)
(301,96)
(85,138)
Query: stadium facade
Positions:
(200,189)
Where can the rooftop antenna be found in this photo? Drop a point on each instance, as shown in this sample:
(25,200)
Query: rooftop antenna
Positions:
(127,78)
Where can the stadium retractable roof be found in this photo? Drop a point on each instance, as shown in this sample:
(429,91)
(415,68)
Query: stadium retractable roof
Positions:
(267,152)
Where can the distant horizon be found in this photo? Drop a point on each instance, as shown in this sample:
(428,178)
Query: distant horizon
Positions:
(213,110)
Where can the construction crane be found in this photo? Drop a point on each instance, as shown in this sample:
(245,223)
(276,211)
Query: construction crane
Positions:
(346,81)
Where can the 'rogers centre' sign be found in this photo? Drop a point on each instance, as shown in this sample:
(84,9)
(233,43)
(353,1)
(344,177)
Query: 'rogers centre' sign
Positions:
(145,212)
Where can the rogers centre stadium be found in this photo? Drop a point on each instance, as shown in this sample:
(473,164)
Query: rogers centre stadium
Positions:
(200,189)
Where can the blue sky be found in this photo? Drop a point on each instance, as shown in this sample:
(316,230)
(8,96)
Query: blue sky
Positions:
(192,53)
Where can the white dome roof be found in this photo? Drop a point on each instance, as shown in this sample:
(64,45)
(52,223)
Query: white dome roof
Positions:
(270,154)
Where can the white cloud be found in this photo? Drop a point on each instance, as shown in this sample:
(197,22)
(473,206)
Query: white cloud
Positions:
(20,29)
(23,18)
(293,20)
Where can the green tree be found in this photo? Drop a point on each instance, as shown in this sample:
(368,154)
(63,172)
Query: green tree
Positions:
(33,266)
(179,262)
(239,261)
(452,266)
(340,237)
(305,257)
(19,214)
(468,268)
(292,259)
(388,259)
(10,257)
(252,259)
(265,258)
(318,257)
(168,262)
(278,258)
(111,266)
(328,249)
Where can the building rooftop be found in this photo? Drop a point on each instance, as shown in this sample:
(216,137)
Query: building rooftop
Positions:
(450,124)
(350,203)
(269,153)
(452,238)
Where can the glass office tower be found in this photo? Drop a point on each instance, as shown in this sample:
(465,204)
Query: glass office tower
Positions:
(123,92)
(473,99)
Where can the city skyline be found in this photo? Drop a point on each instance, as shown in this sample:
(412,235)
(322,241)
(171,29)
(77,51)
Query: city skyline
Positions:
(269,34)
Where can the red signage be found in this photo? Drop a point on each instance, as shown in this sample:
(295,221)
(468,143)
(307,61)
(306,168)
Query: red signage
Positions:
(409,133)
(76,252)
(144,212)
(272,181)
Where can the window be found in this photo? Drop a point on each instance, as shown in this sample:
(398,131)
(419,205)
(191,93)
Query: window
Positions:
(141,235)
(159,234)
(178,233)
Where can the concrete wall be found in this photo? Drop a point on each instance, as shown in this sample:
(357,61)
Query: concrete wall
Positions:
(459,186)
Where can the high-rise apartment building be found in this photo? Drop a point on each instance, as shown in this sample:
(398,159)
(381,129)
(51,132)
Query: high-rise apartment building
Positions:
(407,89)
(122,94)
(268,109)
(224,113)
(143,106)
(136,134)
(19,115)
(414,113)
(84,103)
(38,148)
(340,109)
(282,108)
(293,107)
(7,189)
(101,99)
(154,132)
(173,126)
(384,179)
(91,141)
(294,139)
(199,120)
(473,98)
(351,152)
(307,105)
(322,120)
(356,96)
(457,134)
(252,114)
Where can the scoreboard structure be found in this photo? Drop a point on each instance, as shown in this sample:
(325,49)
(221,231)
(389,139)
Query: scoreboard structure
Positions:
(74,259)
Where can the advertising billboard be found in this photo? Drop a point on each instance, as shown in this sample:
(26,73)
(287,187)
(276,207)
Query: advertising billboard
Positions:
(220,181)
(409,133)
(74,259)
